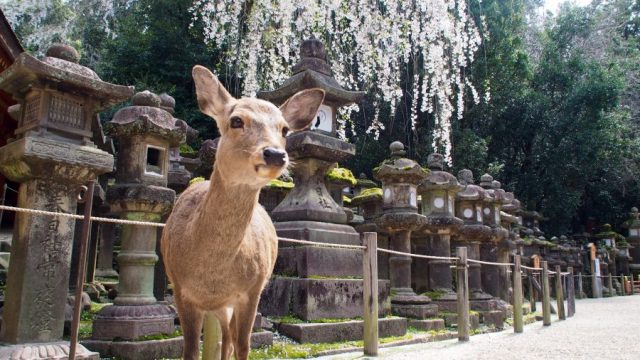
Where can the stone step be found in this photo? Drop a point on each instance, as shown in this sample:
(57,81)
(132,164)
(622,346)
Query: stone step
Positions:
(338,332)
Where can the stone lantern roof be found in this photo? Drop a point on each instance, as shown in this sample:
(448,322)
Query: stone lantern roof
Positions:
(60,68)
(470,190)
(438,179)
(399,169)
(313,71)
(146,117)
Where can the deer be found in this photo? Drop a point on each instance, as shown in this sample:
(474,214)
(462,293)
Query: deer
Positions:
(219,245)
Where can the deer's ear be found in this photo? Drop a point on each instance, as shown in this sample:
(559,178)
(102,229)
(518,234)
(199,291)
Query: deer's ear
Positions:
(212,96)
(300,110)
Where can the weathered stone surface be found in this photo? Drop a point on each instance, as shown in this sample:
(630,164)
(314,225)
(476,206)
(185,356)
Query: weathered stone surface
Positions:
(138,350)
(306,261)
(261,339)
(316,231)
(451,320)
(132,322)
(140,198)
(493,318)
(46,351)
(313,299)
(427,324)
(420,311)
(345,331)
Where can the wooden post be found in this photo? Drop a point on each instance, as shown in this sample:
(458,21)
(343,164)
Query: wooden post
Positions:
(517,297)
(212,347)
(571,294)
(370,297)
(532,294)
(633,290)
(610,284)
(462,280)
(546,303)
(580,289)
(594,279)
(560,294)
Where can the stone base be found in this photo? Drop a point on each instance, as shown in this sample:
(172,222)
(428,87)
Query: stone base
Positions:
(428,324)
(261,339)
(313,299)
(451,320)
(415,311)
(132,322)
(41,351)
(494,318)
(106,273)
(307,261)
(138,350)
(483,305)
(337,332)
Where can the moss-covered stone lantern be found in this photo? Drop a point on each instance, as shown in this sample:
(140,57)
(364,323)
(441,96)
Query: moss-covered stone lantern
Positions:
(469,208)
(438,192)
(633,238)
(400,178)
(144,132)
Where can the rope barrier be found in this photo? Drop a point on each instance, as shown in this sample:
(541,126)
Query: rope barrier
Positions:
(531,268)
(418,256)
(307,242)
(489,263)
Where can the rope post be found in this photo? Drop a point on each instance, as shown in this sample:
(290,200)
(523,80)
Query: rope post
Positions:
(517,297)
(370,297)
(594,279)
(571,293)
(580,289)
(532,294)
(546,303)
(610,284)
(87,198)
(212,344)
(633,290)
(560,294)
(462,280)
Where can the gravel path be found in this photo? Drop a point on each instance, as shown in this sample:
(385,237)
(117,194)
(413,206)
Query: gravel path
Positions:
(606,328)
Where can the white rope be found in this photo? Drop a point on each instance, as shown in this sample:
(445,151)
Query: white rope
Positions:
(489,263)
(418,256)
(307,242)
(80,217)
(531,268)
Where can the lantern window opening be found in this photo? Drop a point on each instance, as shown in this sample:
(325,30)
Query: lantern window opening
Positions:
(154,161)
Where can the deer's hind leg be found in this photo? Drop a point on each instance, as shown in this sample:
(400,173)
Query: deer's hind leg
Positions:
(191,323)
(224,316)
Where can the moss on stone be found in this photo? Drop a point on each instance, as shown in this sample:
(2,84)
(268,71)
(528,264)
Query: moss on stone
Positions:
(346,200)
(341,175)
(279,184)
(186,150)
(367,194)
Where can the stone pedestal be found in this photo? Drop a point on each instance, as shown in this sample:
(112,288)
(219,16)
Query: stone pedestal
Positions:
(41,253)
(440,275)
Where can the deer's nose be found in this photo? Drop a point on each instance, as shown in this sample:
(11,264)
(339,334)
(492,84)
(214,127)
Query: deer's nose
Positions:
(274,157)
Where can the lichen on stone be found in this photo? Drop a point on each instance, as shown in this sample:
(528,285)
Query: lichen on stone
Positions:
(196,180)
(279,184)
(341,175)
(367,194)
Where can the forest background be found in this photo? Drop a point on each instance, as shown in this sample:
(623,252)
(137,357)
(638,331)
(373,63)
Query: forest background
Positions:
(560,128)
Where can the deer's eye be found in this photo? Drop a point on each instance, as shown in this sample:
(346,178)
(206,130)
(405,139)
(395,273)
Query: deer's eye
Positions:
(285,131)
(236,123)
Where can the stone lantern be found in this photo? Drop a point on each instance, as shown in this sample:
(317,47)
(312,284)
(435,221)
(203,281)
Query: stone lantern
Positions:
(469,208)
(51,155)
(400,178)
(325,284)
(438,193)
(633,226)
(145,133)
(512,244)
(491,213)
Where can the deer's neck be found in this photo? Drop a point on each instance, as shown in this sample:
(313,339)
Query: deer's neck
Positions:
(228,209)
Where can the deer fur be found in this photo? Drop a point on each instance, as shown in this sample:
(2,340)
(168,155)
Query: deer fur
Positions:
(219,246)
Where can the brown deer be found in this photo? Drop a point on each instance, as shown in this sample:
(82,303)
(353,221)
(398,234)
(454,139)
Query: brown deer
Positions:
(219,245)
